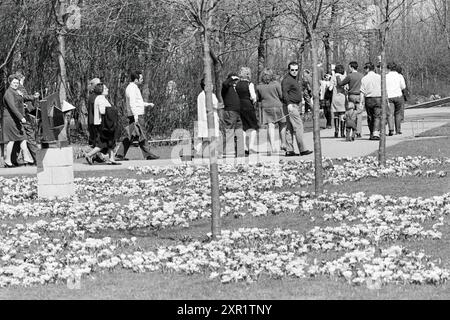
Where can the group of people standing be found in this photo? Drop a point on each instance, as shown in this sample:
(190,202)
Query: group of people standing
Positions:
(345,96)
(280,105)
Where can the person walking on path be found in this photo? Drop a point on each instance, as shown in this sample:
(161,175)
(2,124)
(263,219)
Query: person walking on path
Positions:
(202,121)
(292,98)
(232,118)
(95,85)
(325,98)
(405,92)
(353,80)
(395,84)
(106,126)
(270,97)
(371,99)
(13,120)
(339,101)
(247,96)
(307,93)
(135,107)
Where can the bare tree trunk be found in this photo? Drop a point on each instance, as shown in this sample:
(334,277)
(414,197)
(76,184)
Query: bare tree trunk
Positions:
(333,26)
(217,64)
(213,164)
(384,101)
(316,118)
(261,49)
(65,133)
(326,43)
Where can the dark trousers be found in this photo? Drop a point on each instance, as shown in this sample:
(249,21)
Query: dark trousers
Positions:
(326,106)
(143,142)
(30,133)
(234,135)
(373,109)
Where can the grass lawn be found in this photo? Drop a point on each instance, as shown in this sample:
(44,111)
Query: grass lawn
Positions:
(122,284)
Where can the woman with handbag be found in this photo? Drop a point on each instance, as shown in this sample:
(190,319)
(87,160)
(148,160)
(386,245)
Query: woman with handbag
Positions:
(106,126)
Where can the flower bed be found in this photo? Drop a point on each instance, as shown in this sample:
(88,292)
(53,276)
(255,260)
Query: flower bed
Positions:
(58,240)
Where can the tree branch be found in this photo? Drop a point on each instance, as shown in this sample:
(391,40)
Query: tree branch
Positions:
(11,50)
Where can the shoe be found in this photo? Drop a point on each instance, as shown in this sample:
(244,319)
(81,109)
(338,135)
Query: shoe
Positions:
(152,157)
(374,138)
(358,135)
(9,165)
(283,148)
(247,153)
(391,133)
(119,158)
(97,159)
(328,127)
(113,163)
(399,132)
(336,135)
(89,160)
(291,154)
(305,153)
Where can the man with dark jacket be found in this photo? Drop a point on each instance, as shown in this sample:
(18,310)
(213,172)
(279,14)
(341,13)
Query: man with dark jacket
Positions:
(353,79)
(232,118)
(292,98)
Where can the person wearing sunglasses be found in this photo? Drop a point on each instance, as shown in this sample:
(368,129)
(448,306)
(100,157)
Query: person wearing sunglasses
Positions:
(292,98)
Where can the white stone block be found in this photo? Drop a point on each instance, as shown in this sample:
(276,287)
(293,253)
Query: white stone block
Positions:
(55,157)
(44,176)
(62,175)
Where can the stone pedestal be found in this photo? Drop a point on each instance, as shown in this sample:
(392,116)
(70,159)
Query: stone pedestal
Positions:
(55,173)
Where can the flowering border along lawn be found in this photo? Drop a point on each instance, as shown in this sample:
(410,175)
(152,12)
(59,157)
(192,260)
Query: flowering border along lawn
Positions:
(354,237)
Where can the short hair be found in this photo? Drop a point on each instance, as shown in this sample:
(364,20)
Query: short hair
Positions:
(98,89)
(369,65)
(267,75)
(392,66)
(135,75)
(398,68)
(13,77)
(245,73)
(354,65)
(19,74)
(339,69)
(202,84)
(292,63)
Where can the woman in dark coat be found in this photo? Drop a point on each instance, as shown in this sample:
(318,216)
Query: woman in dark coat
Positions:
(13,120)
(247,95)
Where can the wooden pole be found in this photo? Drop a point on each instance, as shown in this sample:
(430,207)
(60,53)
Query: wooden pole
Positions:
(62,64)
(316,117)
(213,161)
(384,100)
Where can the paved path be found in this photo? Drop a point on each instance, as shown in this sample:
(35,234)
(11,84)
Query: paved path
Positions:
(416,122)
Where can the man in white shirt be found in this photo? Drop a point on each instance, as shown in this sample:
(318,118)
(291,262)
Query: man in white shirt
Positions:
(395,83)
(135,107)
(371,99)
